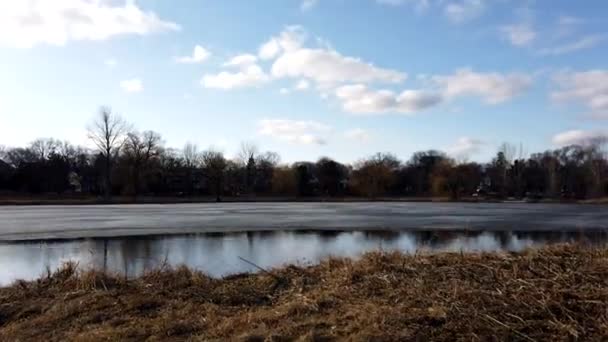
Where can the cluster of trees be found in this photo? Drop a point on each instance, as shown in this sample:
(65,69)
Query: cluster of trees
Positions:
(129,162)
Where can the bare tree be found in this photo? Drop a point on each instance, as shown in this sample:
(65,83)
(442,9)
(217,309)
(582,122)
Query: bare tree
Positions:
(44,147)
(107,132)
(247,151)
(509,151)
(139,149)
(191,155)
(215,165)
(271,158)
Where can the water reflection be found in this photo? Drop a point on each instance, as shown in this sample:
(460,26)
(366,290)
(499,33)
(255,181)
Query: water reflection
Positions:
(218,254)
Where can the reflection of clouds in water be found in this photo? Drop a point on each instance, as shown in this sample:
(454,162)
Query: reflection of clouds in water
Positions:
(218,254)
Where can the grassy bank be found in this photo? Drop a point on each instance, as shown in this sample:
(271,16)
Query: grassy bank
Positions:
(556,293)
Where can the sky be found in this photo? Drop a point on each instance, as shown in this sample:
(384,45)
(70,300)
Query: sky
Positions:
(306,78)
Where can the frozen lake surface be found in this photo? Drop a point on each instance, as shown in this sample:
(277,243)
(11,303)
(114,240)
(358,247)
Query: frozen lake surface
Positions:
(69,222)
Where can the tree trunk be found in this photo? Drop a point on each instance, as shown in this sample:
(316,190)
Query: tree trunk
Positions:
(108,177)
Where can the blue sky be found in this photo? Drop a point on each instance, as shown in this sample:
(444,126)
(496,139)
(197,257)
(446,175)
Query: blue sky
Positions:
(342,78)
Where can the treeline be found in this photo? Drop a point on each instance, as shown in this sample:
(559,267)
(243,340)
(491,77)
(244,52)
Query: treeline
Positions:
(133,163)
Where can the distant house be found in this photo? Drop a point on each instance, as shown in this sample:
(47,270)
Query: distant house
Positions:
(75,182)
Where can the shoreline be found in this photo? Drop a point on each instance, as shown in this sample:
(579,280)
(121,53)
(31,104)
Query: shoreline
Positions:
(40,201)
(552,293)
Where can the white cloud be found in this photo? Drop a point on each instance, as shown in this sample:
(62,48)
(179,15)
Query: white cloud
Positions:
(25,24)
(519,34)
(284,91)
(493,87)
(589,88)
(298,132)
(242,60)
(308,4)
(110,62)
(579,137)
(357,134)
(586,42)
(358,98)
(302,85)
(291,38)
(464,10)
(248,76)
(269,50)
(134,85)
(328,66)
(465,147)
(199,55)
(322,64)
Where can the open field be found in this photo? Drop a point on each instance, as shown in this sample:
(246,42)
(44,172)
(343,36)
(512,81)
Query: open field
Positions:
(555,293)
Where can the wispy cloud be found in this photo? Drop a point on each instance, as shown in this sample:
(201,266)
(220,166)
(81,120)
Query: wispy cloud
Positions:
(519,34)
(134,85)
(464,10)
(308,4)
(582,43)
(358,135)
(294,131)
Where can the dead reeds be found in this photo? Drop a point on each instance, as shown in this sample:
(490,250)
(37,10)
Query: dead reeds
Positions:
(554,293)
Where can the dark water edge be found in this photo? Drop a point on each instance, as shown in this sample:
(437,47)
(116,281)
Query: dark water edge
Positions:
(218,254)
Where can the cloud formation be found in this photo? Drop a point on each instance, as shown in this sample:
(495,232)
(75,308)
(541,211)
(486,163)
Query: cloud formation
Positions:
(293,131)
(579,137)
(242,61)
(248,74)
(519,34)
(586,42)
(24,24)
(199,55)
(465,147)
(354,82)
(322,64)
(493,87)
(307,4)
(588,88)
(357,98)
(251,75)
(463,10)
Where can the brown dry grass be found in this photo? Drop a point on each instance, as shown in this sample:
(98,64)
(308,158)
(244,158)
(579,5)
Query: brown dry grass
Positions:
(555,293)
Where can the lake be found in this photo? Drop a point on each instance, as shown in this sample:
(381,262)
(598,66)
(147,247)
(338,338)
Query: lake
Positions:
(218,254)
(69,222)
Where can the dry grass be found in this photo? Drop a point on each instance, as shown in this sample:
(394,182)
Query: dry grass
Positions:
(556,293)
